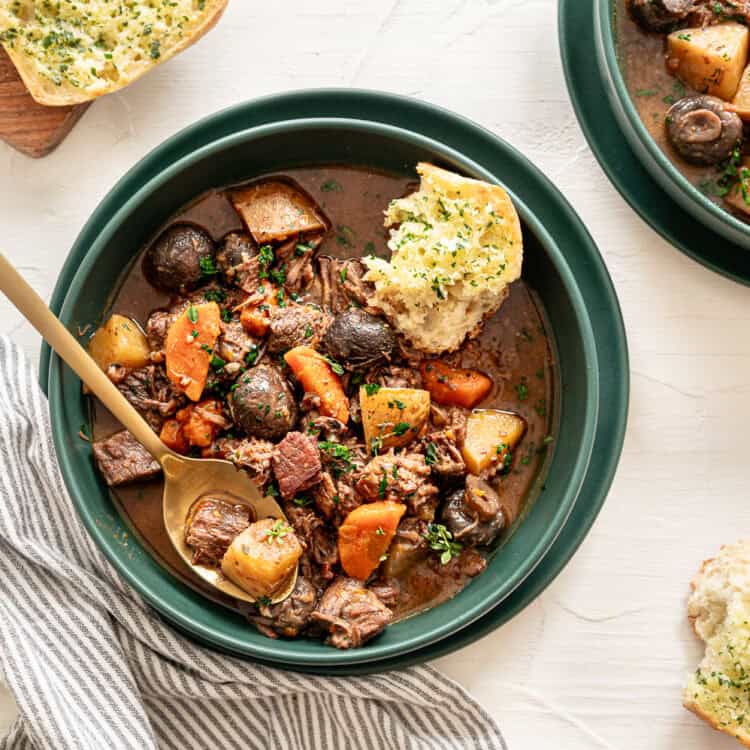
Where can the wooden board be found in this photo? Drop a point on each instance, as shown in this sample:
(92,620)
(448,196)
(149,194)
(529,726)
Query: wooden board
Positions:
(31,128)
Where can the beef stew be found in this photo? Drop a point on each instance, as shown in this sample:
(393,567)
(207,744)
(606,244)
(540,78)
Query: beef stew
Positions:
(292,375)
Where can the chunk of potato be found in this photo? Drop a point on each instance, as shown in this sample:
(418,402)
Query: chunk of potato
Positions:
(274,210)
(119,342)
(739,195)
(261,558)
(392,417)
(491,436)
(741,102)
(709,60)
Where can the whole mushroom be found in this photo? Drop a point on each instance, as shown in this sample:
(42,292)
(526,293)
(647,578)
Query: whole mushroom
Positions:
(702,131)
(173,262)
(359,340)
(660,15)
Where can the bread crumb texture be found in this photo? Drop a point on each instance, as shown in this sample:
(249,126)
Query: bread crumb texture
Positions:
(74,50)
(719,610)
(456,245)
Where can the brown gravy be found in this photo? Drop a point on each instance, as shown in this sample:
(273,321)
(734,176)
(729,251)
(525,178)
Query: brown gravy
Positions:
(513,349)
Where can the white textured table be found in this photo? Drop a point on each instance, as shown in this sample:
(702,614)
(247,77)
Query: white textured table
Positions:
(598,660)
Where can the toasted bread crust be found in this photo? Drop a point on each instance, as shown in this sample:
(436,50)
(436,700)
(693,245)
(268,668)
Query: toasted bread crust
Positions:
(742,737)
(47,93)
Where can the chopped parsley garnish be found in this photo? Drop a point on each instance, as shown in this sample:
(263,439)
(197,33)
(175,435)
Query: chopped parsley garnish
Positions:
(192,314)
(371,388)
(278,531)
(430,454)
(252,356)
(441,540)
(302,502)
(383,486)
(504,450)
(279,276)
(331,186)
(208,266)
(340,456)
(541,407)
(376,444)
(308,331)
(522,391)
(301,249)
(342,275)
(401,428)
(335,366)
(280,298)
(265,259)
(215,295)
(217,362)
(226,315)
(264,601)
(155,50)
(379,531)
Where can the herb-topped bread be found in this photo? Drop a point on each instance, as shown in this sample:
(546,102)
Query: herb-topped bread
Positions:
(719,611)
(455,246)
(71,51)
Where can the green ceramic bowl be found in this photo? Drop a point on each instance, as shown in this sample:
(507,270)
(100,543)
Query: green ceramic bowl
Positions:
(103,256)
(647,151)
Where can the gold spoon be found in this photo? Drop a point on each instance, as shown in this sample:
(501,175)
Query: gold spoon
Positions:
(185,479)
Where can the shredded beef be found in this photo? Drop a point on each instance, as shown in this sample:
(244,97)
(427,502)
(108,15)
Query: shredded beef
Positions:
(290,617)
(402,477)
(342,284)
(351,614)
(151,393)
(251,454)
(296,325)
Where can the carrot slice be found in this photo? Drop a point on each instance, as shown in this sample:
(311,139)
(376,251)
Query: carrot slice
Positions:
(365,536)
(189,347)
(197,426)
(256,319)
(454,386)
(173,437)
(316,375)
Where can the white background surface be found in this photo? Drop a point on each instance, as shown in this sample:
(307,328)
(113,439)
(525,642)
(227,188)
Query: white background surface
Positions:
(598,660)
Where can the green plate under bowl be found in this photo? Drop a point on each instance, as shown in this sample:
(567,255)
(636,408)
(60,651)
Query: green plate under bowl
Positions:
(586,265)
(592,102)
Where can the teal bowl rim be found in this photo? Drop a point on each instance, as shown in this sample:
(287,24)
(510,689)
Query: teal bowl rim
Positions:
(648,151)
(271,650)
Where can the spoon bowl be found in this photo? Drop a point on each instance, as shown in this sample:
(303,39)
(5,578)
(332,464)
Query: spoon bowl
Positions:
(185,479)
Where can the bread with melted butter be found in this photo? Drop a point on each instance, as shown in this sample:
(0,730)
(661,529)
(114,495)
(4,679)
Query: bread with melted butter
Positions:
(456,245)
(68,52)
(719,611)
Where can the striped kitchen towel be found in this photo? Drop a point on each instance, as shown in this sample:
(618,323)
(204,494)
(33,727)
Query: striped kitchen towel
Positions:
(92,668)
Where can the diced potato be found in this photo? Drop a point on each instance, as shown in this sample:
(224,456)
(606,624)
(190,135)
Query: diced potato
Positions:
(710,60)
(262,557)
(274,210)
(739,196)
(741,101)
(490,436)
(392,417)
(119,342)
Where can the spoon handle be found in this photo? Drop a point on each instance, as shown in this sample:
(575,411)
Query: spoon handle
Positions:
(33,308)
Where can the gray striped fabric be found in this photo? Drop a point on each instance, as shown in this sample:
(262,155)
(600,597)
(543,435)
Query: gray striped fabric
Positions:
(91,667)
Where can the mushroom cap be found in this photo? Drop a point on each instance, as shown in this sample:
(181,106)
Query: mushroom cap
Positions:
(702,131)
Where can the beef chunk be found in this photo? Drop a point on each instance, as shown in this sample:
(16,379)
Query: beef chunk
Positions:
(234,342)
(251,454)
(296,464)
(151,394)
(342,284)
(296,325)
(212,526)
(239,262)
(442,453)
(317,539)
(290,617)
(297,260)
(350,613)
(157,326)
(122,459)
(468,564)
(404,478)
(335,498)
(396,377)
